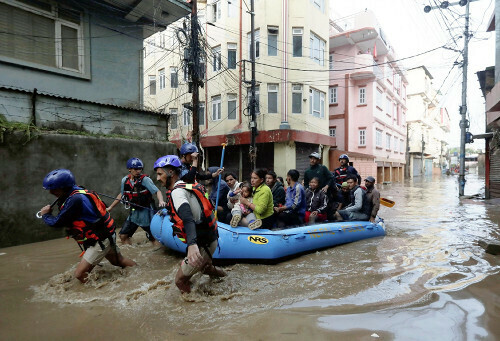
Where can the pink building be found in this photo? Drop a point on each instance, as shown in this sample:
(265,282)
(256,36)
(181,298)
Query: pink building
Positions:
(367,99)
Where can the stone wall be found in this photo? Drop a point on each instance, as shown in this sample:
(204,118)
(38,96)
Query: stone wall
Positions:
(97,163)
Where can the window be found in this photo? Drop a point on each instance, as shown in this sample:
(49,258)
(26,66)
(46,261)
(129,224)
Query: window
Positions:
(216,11)
(296,98)
(317,49)
(231,106)
(388,106)
(152,84)
(216,58)
(297,41)
(401,146)
(257,103)
(231,56)
(378,138)
(185,72)
(380,99)
(316,103)
(202,69)
(396,144)
(333,132)
(332,96)
(319,4)
(216,108)
(362,137)
(362,95)
(173,118)
(330,62)
(174,81)
(186,115)
(272,98)
(42,33)
(387,141)
(161,76)
(272,41)
(257,39)
(201,113)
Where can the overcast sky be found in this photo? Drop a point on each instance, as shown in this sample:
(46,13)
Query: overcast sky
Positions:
(411,31)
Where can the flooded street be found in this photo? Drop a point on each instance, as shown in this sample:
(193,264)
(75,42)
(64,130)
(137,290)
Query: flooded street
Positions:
(427,279)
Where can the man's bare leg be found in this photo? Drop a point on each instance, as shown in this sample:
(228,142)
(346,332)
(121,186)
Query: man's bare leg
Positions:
(82,270)
(125,239)
(182,282)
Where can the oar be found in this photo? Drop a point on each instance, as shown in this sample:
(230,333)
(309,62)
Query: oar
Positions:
(39,213)
(220,177)
(387,202)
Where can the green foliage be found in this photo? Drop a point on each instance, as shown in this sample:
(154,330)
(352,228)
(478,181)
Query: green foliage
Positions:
(7,127)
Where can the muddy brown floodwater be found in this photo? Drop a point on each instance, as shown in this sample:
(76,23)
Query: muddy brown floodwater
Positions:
(426,280)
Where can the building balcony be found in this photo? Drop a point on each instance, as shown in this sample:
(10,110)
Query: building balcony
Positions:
(370,71)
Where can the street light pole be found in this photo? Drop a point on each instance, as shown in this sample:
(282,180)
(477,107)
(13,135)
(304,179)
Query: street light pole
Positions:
(253,103)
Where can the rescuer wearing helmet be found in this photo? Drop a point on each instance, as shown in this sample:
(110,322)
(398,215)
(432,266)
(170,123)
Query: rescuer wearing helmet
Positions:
(193,221)
(138,190)
(189,167)
(84,215)
(340,173)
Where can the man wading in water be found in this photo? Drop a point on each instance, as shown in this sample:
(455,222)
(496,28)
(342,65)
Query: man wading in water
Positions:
(193,221)
(88,222)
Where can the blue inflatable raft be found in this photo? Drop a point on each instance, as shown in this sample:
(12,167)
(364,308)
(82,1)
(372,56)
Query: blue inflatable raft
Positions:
(263,246)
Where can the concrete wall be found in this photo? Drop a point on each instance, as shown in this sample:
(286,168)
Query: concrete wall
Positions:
(97,163)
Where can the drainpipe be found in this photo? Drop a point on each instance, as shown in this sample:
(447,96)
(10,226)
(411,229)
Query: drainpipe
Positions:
(33,107)
(346,114)
(241,59)
(284,71)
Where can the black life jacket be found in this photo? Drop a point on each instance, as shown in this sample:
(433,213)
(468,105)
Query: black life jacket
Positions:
(366,208)
(88,234)
(340,174)
(208,222)
(137,193)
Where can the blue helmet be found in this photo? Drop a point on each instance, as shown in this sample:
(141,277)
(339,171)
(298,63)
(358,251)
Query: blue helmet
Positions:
(135,163)
(168,160)
(344,156)
(59,178)
(188,148)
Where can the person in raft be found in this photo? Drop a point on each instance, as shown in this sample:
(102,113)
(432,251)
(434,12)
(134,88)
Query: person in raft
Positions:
(316,202)
(359,208)
(138,189)
(241,214)
(293,212)
(193,221)
(84,215)
(262,203)
(189,168)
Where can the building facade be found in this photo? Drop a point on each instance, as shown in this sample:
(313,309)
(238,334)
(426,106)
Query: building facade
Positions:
(428,126)
(367,97)
(291,44)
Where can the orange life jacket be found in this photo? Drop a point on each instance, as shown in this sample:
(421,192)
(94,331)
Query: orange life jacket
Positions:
(208,219)
(88,234)
(137,193)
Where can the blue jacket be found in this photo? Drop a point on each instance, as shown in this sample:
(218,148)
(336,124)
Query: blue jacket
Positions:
(296,199)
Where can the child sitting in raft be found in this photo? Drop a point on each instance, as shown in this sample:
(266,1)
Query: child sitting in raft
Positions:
(316,203)
(241,214)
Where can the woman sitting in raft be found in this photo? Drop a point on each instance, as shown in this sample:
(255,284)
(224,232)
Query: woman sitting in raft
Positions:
(241,214)
(262,204)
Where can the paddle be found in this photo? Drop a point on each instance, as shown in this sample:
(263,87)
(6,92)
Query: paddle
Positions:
(220,177)
(387,202)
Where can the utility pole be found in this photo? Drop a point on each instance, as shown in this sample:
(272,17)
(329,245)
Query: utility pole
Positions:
(422,156)
(194,71)
(464,123)
(253,123)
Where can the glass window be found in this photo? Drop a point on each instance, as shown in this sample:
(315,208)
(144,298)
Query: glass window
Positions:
(216,58)
(272,98)
(317,103)
(333,132)
(396,144)
(186,115)
(257,39)
(216,108)
(161,76)
(231,8)
(297,98)
(174,81)
(362,137)
(272,41)
(201,113)
(333,95)
(362,95)
(297,41)
(317,49)
(231,106)
(152,84)
(216,11)
(173,118)
(380,99)
(231,56)
(330,62)
(387,141)
(378,138)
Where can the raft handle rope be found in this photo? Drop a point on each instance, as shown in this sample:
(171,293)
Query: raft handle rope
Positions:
(126,203)
(39,213)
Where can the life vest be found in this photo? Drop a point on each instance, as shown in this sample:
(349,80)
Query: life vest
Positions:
(88,234)
(137,193)
(340,174)
(207,222)
(366,208)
